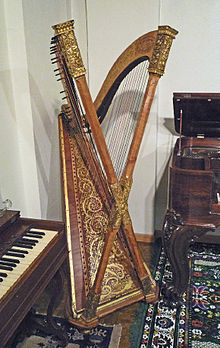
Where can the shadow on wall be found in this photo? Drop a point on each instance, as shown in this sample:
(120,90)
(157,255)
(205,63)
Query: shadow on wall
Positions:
(161,199)
(47,153)
(162,191)
(169,125)
(55,199)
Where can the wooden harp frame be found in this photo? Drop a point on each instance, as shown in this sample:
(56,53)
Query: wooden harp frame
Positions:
(156,46)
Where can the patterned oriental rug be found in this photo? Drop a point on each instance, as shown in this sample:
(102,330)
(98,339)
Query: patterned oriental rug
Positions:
(196,323)
(99,337)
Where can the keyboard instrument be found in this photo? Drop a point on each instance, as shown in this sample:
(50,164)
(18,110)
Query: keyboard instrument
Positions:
(31,252)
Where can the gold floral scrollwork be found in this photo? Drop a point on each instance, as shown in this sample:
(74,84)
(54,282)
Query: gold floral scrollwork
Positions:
(69,48)
(161,50)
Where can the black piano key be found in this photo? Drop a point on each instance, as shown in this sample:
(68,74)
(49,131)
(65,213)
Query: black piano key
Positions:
(30,234)
(22,245)
(9,260)
(29,241)
(26,242)
(4,275)
(11,253)
(6,268)
(1,280)
(6,263)
(38,233)
(19,251)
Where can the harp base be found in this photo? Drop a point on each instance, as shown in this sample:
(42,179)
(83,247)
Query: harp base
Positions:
(79,318)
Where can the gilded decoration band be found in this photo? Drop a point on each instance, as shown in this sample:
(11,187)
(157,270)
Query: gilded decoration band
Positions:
(120,191)
(126,187)
(69,47)
(161,51)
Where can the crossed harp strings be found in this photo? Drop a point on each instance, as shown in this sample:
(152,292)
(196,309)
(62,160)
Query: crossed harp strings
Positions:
(69,58)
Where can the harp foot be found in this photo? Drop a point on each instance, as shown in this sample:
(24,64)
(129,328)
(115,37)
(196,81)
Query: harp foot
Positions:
(150,289)
(89,314)
(153,295)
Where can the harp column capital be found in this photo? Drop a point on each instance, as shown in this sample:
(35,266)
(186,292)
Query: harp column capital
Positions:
(65,35)
(164,39)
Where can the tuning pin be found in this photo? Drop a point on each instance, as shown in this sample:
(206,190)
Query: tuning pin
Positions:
(62,92)
(60,79)
(68,118)
(68,111)
(55,61)
(53,40)
(64,98)
(53,58)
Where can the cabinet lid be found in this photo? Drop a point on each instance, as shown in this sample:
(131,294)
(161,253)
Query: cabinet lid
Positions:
(200,113)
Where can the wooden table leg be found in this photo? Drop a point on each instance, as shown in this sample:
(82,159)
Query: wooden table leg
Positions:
(56,298)
(177,237)
(49,325)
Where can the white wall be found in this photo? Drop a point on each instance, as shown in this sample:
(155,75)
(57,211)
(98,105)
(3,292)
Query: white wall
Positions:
(30,172)
(18,175)
(39,16)
(112,26)
(193,65)
(30,98)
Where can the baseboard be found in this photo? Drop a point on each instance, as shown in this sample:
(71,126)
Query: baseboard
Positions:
(150,238)
(145,238)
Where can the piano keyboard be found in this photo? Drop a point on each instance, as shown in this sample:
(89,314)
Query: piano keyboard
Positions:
(21,255)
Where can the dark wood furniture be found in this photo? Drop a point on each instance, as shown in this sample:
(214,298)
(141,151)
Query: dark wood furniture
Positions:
(194,188)
(19,291)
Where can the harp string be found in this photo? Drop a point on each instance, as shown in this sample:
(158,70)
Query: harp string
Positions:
(139,81)
(121,118)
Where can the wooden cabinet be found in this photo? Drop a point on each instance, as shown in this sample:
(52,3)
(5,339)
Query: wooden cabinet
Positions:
(194,182)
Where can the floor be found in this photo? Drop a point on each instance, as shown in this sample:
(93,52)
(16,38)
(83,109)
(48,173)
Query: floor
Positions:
(125,316)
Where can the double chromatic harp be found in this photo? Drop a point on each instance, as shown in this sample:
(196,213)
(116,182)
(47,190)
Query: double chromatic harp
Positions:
(107,271)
